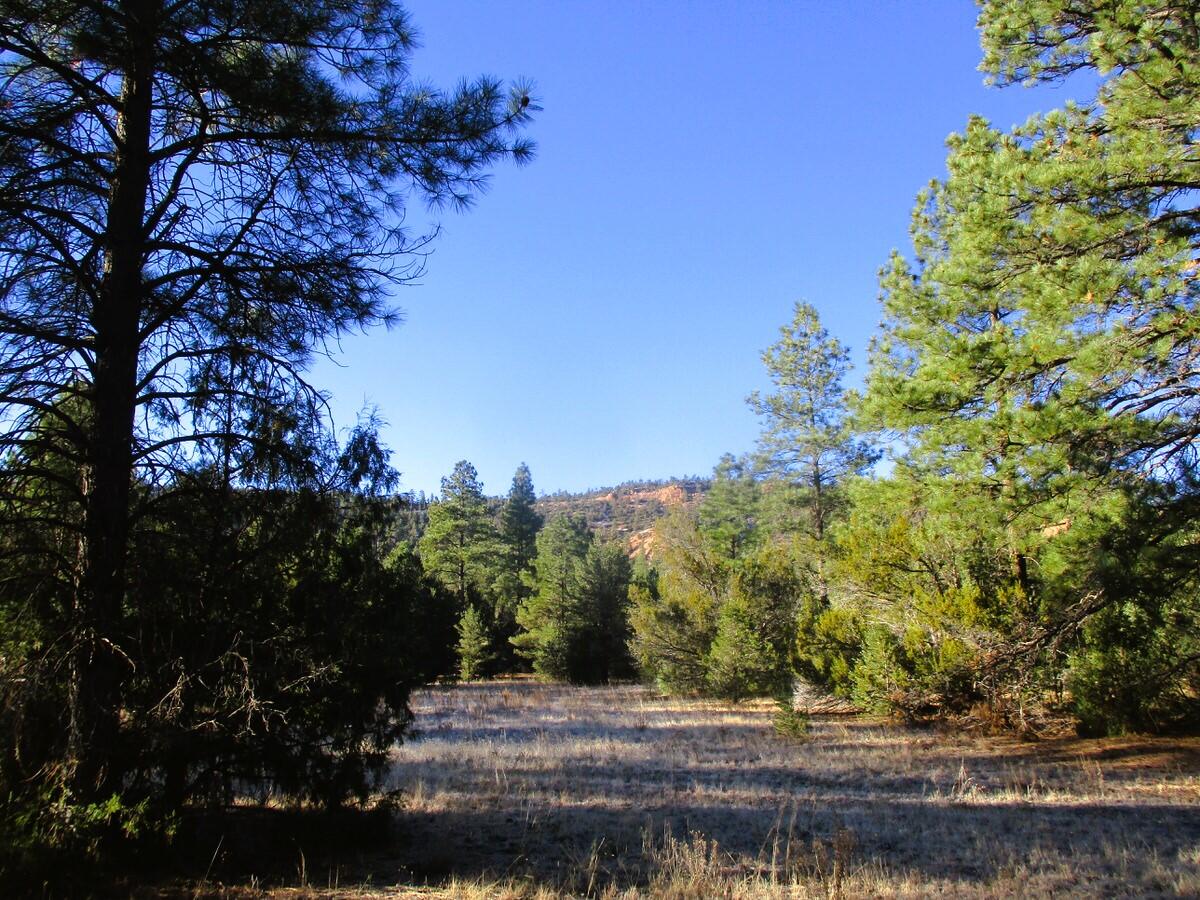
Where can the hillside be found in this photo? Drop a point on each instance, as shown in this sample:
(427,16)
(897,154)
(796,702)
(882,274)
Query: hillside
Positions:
(627,511)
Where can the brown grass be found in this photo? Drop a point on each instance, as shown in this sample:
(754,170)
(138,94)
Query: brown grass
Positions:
(518,789)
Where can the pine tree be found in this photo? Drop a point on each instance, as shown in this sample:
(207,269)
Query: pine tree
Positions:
(1038,352)
(806,438)
(732,508)
(519,521)
(674,617)
(604,631)
(195,198)
(807,442)
(459,546)
(552,618)
(474,645)
(519,526)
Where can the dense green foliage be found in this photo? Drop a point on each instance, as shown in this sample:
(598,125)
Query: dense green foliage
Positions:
(574,624)
(474,645)
(1037,361)
(195,199)
(1033,550)
(224,601)
(513,584)
(719,618)
(460,544)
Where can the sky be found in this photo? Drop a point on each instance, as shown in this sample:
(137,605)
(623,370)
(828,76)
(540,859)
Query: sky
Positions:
(600,314)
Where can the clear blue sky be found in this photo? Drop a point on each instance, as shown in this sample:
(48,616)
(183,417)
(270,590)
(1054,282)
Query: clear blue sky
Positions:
(701,166)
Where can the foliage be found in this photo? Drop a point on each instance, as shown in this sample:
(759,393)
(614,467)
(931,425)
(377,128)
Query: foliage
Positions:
(729,515)
(520,523)
(550,617)
(603,653)
(788,721)
(719,618)
(474,645)
(1036,364)
(574,624)
(194,200)
(807,438)
(276,648)
(460,545)
(751,650)
(674,616)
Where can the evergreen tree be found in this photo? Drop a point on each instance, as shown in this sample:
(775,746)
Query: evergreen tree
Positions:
(474,645)
(750,654)
(193,198)
(552,618)
(519,521)
(1038,353)
(603,639)
(459,546)
(519,526)
(806,436)
(674,614)
(731,511)
(719,617)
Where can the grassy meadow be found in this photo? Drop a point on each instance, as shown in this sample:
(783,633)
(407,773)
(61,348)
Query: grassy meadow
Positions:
(521,789)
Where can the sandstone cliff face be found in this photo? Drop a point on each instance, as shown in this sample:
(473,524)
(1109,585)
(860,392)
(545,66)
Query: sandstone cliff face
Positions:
(627,512)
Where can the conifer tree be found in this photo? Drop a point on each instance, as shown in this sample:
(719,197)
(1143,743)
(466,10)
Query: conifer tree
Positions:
(194,199)
(1039,351)
(474,645)
(806,438)
(459,546)
(513,583)
(519,521)
(552,618)
(732,508)
(604,634)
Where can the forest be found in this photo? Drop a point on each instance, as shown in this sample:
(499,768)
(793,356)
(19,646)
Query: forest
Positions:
(211,597)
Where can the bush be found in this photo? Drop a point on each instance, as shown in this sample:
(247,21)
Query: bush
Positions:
(790,722)
(1134,672)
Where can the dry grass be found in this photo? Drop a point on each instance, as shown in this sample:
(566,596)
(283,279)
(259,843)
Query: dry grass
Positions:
(524,790)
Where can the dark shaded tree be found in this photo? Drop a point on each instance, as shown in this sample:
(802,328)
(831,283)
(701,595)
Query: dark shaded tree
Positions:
(195,198)
(550,617)
(520,523)
(474,645)
(602,653)
(575,625)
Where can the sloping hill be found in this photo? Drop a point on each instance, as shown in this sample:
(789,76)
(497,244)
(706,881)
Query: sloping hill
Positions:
(627,511)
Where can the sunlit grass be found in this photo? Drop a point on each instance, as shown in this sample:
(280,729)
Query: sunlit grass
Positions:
(523,789)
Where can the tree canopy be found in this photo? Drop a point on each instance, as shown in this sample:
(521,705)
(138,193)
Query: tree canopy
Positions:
(194,199)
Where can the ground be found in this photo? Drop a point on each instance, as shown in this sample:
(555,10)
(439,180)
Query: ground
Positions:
(523,789)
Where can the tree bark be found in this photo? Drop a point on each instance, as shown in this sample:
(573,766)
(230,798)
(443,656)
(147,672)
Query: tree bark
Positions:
(101,667)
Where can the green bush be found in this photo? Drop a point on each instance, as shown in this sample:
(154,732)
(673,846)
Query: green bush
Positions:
(1135,673)
(790,722)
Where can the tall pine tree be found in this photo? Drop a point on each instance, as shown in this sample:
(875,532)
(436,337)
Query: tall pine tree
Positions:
(519,526)
(459,546)
(806,437)
(194,199)
(551,619)
(1039,351)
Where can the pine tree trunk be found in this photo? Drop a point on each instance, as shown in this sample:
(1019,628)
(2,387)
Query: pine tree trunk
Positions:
(100,668)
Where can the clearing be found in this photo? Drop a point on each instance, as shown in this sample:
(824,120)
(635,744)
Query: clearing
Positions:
(518,788)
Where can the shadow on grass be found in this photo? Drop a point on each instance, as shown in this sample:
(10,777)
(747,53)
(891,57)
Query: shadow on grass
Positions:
(236,852)
(1113,849)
